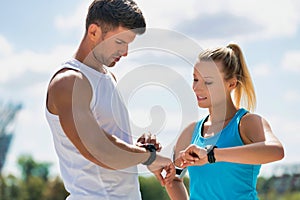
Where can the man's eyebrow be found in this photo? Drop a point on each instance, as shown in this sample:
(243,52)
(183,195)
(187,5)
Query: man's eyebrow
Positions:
(121,40)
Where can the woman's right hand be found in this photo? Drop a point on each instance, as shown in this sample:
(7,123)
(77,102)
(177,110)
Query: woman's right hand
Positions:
(191,156)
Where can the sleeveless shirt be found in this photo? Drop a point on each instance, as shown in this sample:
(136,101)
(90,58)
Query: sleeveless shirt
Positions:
(222,180)
(82,178)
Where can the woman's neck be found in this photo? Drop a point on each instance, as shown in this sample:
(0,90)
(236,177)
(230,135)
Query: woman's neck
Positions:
(221,114)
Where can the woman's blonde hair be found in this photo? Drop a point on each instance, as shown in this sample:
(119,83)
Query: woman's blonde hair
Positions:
(234,66)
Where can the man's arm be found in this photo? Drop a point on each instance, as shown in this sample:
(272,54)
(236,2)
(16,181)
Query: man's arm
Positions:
(69,97)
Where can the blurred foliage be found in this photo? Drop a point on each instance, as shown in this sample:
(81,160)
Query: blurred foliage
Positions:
(35,184)
(30,168)
(283,187)
(151,188)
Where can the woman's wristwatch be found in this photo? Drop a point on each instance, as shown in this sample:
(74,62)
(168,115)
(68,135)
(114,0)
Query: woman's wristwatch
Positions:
(210,153)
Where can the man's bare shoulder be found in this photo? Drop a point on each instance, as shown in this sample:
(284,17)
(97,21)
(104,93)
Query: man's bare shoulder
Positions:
(64,86)
(65,76)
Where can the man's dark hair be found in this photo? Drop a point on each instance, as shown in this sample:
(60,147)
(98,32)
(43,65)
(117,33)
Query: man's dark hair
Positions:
(109,14)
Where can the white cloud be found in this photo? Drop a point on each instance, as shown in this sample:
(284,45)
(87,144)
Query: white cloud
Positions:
(241,20)
(165,14)
(277,17)
(274,18)
(74,21)
(17,63)
(291,61)
(6,47)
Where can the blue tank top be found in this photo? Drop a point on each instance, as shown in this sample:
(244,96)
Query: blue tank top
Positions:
(223,180)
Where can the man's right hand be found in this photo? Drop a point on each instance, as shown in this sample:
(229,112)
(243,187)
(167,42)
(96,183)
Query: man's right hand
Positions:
(149,138)
(163,164)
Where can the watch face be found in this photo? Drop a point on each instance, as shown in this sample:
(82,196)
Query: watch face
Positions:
(178,170)
(151,147)
(208,147)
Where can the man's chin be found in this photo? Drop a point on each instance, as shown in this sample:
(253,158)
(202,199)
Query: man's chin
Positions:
(112,64)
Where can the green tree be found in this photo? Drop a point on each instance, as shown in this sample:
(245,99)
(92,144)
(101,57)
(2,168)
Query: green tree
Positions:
(3,187)
(9,188)
(55,190)
(31,168)
(35,184)
(13,190)
(32,189)
(151,188)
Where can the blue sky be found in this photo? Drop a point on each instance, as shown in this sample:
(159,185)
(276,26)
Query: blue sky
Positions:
(36,36)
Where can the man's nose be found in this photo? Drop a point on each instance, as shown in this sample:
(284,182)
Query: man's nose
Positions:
(124,51)
(125,54)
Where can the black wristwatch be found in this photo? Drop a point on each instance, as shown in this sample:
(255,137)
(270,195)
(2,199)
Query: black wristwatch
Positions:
(151,148)
(210,153)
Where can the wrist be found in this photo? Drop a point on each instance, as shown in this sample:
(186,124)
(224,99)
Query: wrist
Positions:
(210,153)
(152,156)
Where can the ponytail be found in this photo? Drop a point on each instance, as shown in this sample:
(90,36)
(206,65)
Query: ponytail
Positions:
(245,85)
(234,66)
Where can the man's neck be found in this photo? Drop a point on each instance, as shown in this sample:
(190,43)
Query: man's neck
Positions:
(85,56)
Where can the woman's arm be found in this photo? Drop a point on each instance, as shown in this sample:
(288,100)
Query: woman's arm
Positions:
(261,146)
(177,190)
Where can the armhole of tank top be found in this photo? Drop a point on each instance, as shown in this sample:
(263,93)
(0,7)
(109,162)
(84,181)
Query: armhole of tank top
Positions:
(238,125)
(78,70)
(92,102)
(196,128)
(57,72)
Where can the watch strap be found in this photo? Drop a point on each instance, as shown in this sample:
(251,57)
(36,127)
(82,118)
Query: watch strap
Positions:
(151,148)
(210,153)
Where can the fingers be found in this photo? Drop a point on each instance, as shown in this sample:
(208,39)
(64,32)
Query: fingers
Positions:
(149,138)
(160,165)
(192,155)
(170,174)
(142,139)
(153,140)
(159,178)
(186,158)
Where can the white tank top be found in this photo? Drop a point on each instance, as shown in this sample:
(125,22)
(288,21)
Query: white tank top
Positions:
(82,178)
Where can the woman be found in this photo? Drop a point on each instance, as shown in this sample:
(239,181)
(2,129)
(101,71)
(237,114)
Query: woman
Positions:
(223,152)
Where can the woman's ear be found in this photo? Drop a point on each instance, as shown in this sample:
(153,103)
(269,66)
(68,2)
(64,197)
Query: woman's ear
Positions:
(232,83)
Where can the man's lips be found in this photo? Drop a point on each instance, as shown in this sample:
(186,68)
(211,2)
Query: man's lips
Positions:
(117,59)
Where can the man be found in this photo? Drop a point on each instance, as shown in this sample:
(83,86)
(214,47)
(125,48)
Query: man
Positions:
(88,118)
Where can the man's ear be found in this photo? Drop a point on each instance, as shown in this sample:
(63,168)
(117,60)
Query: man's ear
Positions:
(94,32)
